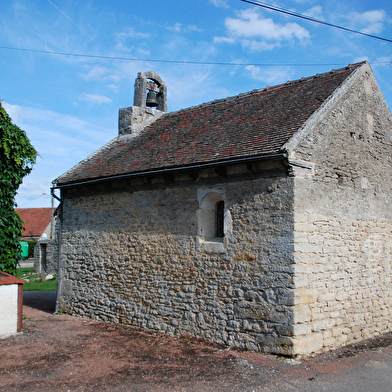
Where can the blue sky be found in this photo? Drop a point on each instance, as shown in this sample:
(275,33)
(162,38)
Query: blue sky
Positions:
(68,105)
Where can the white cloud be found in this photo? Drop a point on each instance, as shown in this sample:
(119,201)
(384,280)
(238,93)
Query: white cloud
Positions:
(114,87)
(257,46)
(129,35)
(99,73)
(256,33)
(95,98)
(371,22)
(34,192)
(270,76)
(382,59)
(18,6)
(13,111)
(193,28)
(121,47)
(224,40)
(129,32)
(61,141)
(143,52)
(64,129)
(360,58)
(95,73)
(315,12)
(219,3)
(251,24)
(200,86)
(177,27)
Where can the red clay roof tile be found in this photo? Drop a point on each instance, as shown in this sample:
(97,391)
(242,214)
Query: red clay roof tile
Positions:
(36,220)
(252,124)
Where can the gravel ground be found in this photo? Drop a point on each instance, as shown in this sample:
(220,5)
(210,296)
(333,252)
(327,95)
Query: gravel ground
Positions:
(64,353)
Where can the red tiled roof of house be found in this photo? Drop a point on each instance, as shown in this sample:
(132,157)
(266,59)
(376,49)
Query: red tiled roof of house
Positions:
(36,220)
(252,124)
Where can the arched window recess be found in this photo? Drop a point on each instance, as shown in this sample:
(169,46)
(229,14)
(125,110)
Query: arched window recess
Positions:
(212,221)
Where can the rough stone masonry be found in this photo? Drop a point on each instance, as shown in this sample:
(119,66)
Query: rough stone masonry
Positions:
(304,263)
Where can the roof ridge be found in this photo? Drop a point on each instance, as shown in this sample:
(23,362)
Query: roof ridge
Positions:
(262,89)
(253,123)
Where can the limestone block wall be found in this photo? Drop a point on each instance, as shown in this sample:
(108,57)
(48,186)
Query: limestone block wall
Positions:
(132,257)
(343,221)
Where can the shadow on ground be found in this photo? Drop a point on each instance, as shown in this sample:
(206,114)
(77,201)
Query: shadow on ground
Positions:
(40,300)
(65,353)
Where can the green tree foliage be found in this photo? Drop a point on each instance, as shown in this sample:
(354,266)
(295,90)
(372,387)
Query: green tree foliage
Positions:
(17,158)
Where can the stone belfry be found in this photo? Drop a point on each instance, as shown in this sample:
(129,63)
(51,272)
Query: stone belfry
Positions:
(150,82)
(149,103)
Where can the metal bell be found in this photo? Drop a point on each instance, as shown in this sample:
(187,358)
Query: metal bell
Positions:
(151,101)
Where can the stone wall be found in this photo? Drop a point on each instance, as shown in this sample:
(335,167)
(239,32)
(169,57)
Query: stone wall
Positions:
(46,252)
(305,264)
(46,256)
(130,255)
(343,220)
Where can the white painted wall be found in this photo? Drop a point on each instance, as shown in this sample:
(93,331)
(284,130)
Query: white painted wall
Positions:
(8,309)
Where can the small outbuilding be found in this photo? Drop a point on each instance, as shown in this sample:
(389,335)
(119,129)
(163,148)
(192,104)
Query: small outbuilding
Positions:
(11,304)
(261,221)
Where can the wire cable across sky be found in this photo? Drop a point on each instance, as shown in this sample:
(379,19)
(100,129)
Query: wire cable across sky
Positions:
(310,19)
(235,64)
(93,56)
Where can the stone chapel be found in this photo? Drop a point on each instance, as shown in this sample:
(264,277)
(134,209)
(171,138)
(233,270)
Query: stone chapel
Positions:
(261,221)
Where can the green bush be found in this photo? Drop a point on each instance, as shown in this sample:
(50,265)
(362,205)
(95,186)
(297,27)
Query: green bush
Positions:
(31,249)
(17,158)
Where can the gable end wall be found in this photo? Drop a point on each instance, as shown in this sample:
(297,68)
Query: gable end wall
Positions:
(343,220)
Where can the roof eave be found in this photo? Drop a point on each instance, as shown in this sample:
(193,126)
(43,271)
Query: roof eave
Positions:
(279,155)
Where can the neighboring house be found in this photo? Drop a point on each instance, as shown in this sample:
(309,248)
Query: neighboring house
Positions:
(260,221)
(37,226)
(36,223)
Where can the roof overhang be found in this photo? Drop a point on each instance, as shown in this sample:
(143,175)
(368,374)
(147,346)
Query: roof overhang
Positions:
(266,157)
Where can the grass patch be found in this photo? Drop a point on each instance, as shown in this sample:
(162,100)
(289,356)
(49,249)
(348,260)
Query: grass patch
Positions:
(35,283)
(22,272)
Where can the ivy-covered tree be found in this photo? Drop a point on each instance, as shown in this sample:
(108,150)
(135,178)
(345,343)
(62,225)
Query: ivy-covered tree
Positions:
(17,158)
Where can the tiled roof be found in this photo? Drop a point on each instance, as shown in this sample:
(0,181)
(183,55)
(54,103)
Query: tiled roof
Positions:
(252,124)
(36,220)
(9,279)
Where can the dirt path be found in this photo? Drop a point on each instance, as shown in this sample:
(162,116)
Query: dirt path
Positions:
(63,353)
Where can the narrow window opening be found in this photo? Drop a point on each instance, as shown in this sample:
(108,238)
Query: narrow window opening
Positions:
(43,261)
(212,222)
(220,213)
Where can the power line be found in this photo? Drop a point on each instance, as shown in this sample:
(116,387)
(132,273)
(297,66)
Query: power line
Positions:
(310,19)
(177,61)
(29,201)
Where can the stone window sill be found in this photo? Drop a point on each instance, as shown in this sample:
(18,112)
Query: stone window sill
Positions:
(214,245)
